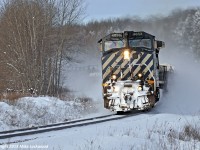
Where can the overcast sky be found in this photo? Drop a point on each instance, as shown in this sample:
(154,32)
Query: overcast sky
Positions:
(102,9)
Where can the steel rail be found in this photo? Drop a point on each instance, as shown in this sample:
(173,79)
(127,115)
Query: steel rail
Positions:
(60,126)
(52,125)
(65,125)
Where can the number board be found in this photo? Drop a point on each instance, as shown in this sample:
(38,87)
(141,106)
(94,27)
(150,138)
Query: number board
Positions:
(117,35)
(137,34)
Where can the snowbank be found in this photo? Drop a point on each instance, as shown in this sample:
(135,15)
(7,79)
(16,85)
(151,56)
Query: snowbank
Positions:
(34,111)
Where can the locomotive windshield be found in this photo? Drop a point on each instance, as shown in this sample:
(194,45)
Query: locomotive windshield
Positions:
(146,43)
(127,39)
(114,44)
(140,43)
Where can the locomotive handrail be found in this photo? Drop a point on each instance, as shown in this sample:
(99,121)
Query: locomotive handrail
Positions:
(148,70)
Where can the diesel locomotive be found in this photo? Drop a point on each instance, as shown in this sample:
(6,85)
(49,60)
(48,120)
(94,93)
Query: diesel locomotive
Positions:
(131,73)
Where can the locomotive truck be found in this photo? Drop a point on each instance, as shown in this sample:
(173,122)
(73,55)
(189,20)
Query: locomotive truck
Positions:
(131,73)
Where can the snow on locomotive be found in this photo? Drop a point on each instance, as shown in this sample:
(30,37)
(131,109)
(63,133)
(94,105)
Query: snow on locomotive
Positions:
(132,76)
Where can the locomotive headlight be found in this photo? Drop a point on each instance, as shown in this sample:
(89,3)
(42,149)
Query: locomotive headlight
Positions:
(114,77)
(139,88)
(126,54)
(140,75)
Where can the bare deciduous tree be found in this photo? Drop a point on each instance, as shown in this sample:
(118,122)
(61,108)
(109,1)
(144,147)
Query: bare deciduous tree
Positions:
(33,37)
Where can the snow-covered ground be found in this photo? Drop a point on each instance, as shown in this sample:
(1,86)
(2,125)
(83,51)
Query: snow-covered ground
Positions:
(143,131)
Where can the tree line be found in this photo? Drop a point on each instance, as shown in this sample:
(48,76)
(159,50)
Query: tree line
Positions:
(178,29)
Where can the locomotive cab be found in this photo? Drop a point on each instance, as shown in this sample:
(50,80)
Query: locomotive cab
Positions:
(130,70)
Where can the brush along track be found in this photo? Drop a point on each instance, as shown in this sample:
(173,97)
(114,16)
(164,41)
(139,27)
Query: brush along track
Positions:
(60,126)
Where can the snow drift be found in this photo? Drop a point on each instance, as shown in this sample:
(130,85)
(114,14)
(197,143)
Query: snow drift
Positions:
(35,111)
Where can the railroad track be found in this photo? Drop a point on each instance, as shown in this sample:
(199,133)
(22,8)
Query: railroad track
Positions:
(60,126)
